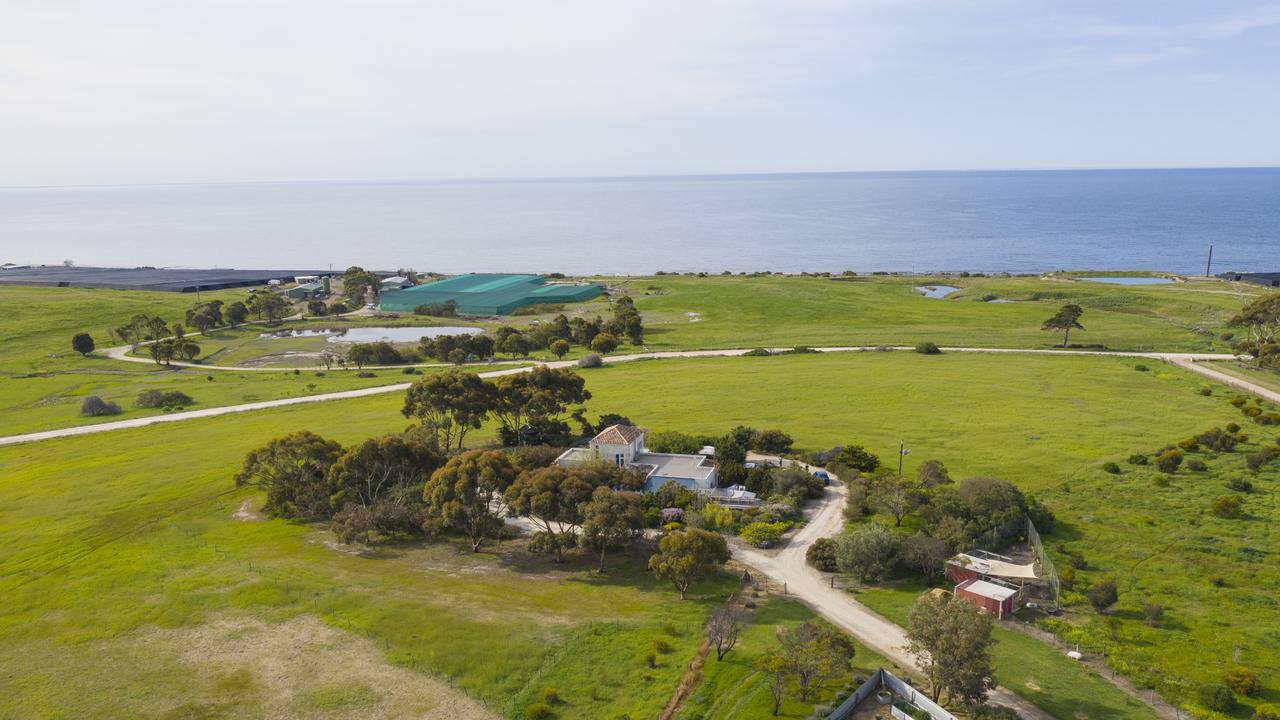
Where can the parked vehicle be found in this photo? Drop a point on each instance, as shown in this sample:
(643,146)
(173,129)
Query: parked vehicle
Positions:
(823,476)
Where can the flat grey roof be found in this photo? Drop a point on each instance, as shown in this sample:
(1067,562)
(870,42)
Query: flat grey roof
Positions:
(676,466)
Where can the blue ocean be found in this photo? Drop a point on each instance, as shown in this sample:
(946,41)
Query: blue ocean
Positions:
(1023,221)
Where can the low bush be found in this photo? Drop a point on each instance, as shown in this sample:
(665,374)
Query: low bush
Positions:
(757,352)
(1189,445)
(1227,506)
(1138,459)
(94,406)
(1206,390)
(1169,460)
(1266,711)
(928,348)
(162,398)
(822,554)
(1197,465)
(1141,368)
(1256,460)
(365,374)
(763,533)
(550,696)
(1161,481)
(1153,613)
(1219,440)
(661,645)
(1242,680)
(1239,484)
(590,360)
(537,711)
(1111,467)
(1217,697)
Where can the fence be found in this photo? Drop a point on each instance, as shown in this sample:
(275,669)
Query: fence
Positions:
(1047,569)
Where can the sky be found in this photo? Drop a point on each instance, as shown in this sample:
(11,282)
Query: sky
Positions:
(156,91)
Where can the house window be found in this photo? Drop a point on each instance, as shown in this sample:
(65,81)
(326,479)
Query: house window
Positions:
(617,459)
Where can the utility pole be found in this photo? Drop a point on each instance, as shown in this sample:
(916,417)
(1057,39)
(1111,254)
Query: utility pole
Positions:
(902,453)
(1210,263)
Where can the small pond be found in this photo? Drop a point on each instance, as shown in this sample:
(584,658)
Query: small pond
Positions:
(936,291)
(1128,280)
(374,334)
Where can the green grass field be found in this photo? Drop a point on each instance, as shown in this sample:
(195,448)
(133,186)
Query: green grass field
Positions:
(732,688)
(1047,424)
(729,311)
(1266,377)
(112,555)
(1033,669)
(119,551)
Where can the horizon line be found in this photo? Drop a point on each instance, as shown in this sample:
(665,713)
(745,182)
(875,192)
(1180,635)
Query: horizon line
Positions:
(624,178)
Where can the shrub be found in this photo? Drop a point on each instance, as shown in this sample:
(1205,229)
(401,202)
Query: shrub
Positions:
(1239,401)
(1217,697)
(94,406)
(1233,428)
(365,374)
(1242,680)
(1138,459)
(1161,481)
(1217,439)
(1255,460)
(1153,613)
(1227,506)
(822,554)
(662,646)
(756,352)
(1169,460)
(1266,711)
(1239,484)
(1189,445)
(1141,368)
(550,696)
(411,371)
(763,534)
(354,523)
(928,348)
(1067,575)
(1111,467)
(1251,411)
(1206,390)
(590,360)
(651,660)
(1197,465)
(537,711)
(1103,594)
(160,398)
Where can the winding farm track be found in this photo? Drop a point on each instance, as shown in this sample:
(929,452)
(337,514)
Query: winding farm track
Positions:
(1187,361)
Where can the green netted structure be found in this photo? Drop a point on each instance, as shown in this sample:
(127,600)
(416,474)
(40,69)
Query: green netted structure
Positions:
(488,294)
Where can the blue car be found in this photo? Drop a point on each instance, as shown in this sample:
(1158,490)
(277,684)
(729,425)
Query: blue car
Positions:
(823,476)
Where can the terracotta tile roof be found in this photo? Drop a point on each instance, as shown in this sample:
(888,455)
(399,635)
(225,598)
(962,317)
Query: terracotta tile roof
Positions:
(618,435)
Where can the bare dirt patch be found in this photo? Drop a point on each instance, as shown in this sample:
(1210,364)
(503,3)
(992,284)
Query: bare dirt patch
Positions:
(245,513)
(304,668)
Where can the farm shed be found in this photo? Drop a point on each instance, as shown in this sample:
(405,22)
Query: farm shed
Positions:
(488,294)
(995,599)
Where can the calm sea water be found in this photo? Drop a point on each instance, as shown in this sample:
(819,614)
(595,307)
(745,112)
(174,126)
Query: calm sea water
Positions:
(977,221)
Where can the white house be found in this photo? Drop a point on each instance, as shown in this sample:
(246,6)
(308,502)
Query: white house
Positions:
(623,445)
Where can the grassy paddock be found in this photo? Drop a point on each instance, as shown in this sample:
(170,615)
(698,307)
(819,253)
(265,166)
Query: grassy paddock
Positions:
(105,547)
(1046,424)
(730,311)
(1033,669)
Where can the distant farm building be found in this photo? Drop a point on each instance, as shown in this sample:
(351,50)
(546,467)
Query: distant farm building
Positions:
(997,599)
(1270,279)
(395,282)
(488,294)
(313,290)
(146,278)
